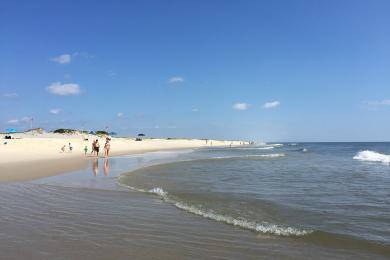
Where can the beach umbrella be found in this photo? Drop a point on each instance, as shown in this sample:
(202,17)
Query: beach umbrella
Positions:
(141,135)
(92,133)
(11,130)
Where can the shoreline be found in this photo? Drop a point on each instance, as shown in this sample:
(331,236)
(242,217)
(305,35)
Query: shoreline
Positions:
(31,158)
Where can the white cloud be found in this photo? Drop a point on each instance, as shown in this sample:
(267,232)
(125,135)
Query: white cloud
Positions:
(56,88)
(13,121)
(16,121)
(195,110)
(10,95)
(111,73)
(26,119)
(120,114)
(241,106)
(271,104)
(385,102)
(176,79)
(62,59)
(55,111)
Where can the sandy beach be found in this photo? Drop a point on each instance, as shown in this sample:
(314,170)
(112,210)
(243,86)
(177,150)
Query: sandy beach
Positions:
(28,157)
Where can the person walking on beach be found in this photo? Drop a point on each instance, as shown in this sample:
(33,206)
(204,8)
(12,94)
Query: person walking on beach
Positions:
(70,147)
(85,150)
(63,148)
(107,148)
(97,147)
(93,147)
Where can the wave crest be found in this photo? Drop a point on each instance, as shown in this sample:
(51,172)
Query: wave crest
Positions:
(249,156)
(266,228)
(372,156)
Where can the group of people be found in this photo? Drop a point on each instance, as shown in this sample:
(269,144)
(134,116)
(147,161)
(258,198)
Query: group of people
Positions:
(96,147)
(70,147)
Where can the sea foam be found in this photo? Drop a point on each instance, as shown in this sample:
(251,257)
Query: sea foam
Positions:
(248,156)
(371,156)
(266,228)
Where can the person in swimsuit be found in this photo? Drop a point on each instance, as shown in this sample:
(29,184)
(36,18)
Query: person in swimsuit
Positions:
(93,147)
(107,148)
(97,147)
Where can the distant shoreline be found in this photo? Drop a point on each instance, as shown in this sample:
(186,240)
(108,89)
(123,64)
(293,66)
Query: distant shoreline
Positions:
(34,157)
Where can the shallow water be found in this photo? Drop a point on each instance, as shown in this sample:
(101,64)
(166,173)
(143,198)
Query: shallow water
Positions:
(292,201)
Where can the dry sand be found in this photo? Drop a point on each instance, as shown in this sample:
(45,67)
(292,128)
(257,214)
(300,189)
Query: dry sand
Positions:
(30,157)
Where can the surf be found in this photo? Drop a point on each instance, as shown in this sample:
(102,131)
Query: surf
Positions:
(372,156)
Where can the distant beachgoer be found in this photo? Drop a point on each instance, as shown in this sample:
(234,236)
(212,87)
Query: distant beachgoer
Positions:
(97,147)
(93,147)
(70,147)
(85,150)
(63,148)
(107,147)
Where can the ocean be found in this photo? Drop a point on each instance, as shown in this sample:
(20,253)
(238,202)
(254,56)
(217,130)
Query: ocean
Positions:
(283,201)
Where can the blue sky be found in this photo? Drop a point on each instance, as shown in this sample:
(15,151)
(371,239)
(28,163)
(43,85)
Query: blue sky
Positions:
(257,70)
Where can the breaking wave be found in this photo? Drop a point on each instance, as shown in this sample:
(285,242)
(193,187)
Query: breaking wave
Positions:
(249,156)
(265,228)
(371,156)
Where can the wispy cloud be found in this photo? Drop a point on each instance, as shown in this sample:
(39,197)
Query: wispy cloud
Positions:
(120,114)
(176,79)
(13,121)
(111,73)
(26,119)
(240,106)
(16,121)
(56,88)
(55,111)
(67,58)
(385,102)
(62,59)
(195,110)
(271,104)
(10,95)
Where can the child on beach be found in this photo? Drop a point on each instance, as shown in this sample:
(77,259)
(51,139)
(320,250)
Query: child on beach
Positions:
(70,147)
(63,148)
(85,150)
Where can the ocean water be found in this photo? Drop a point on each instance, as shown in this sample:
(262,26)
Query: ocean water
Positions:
(279,201)
(335,195)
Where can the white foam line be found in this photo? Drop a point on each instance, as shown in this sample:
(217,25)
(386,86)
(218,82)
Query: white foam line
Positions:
(371,156)
(272,155)
(265,228)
